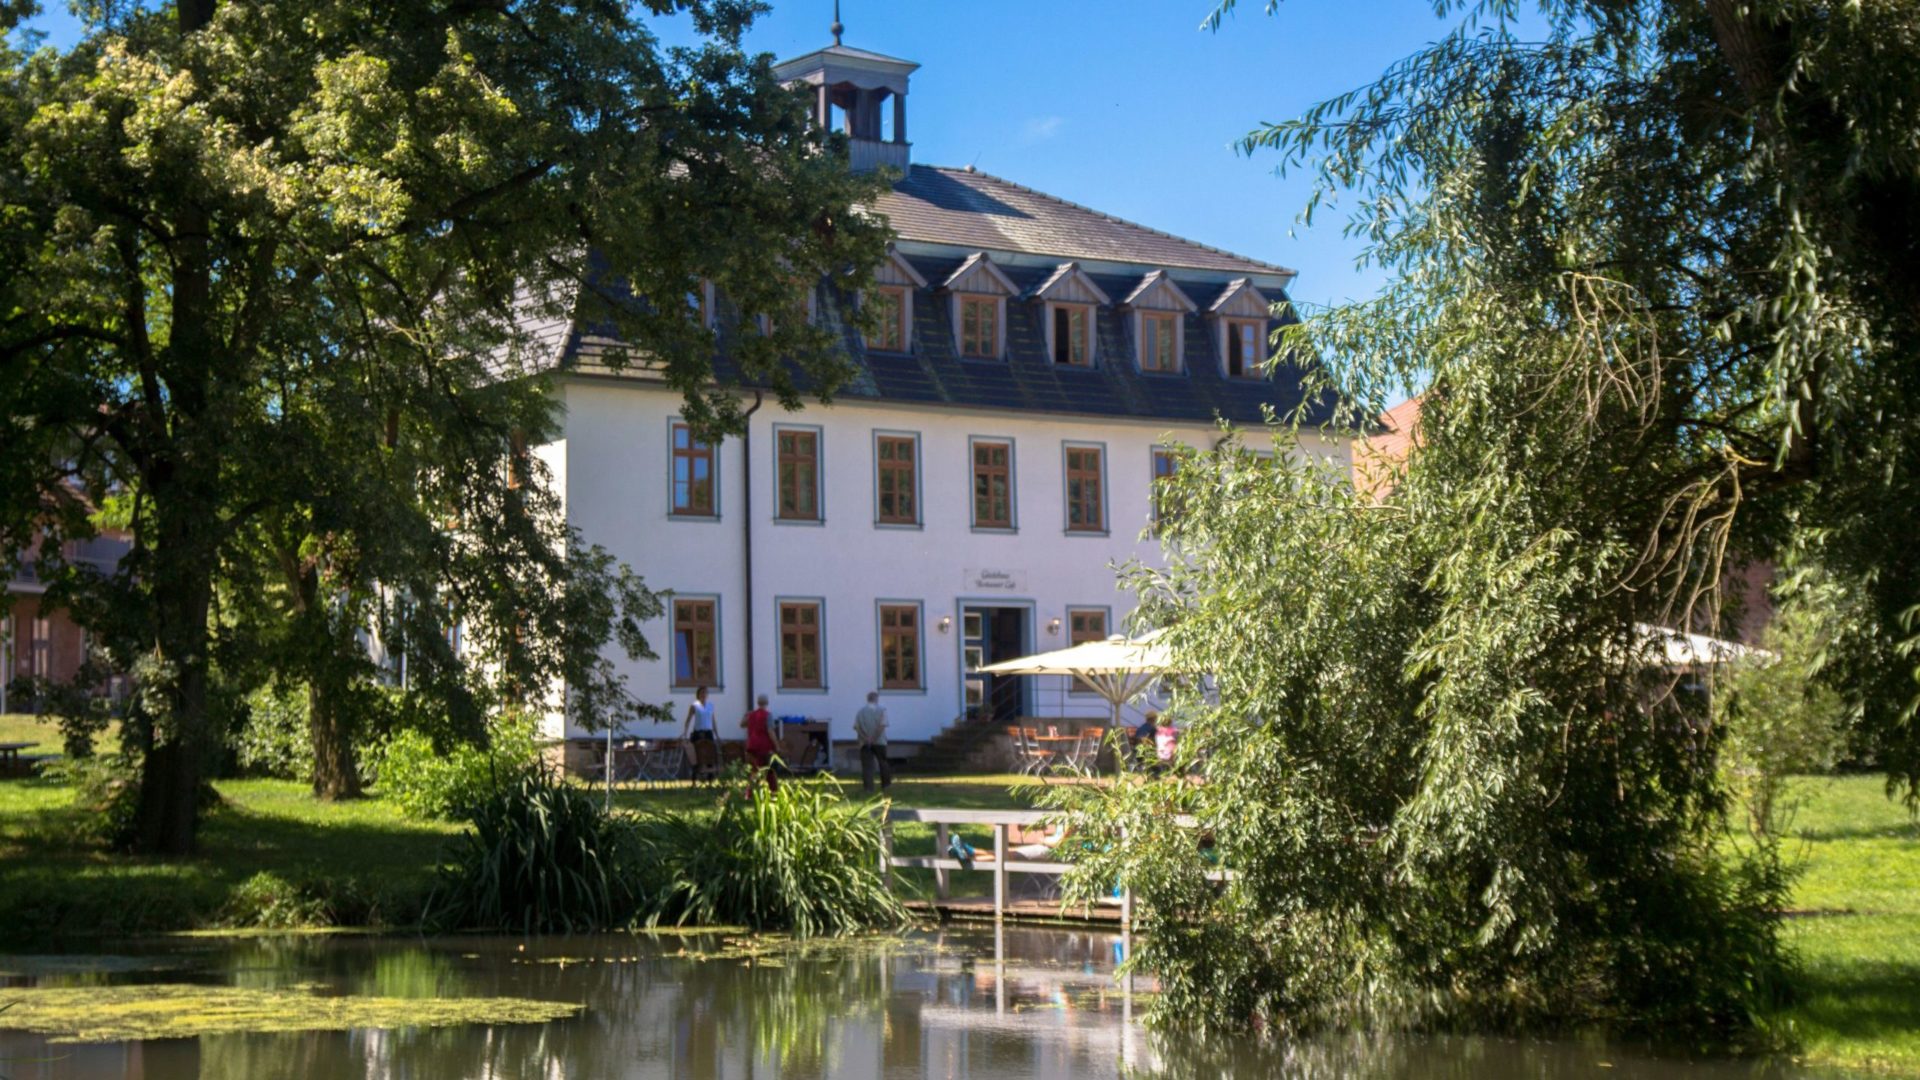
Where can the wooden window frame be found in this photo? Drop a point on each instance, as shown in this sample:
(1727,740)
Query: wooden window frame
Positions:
(696,676)
(1079,685)
(1086,311)
(911,473)
(1231,335)
(974,471)
(915,629)
(1097,476)
(695,450)
(796,606)
(782,458)
(1155,500)
(1175,330)
(902,322)
(997,304)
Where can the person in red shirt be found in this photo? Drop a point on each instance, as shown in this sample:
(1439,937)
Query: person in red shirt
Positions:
(760,742)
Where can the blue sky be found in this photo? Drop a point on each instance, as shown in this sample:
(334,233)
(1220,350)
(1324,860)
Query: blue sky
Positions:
(1127,106)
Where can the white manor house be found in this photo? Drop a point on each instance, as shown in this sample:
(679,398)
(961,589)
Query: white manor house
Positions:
(967,498)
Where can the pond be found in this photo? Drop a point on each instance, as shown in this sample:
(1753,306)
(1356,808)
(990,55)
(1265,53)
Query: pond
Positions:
(952,1003)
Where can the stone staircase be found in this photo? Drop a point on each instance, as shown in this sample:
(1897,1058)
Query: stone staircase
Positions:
(965,746)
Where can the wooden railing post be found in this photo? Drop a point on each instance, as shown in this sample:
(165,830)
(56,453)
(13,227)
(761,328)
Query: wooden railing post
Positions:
(940,852)
(999,871)
(886,854)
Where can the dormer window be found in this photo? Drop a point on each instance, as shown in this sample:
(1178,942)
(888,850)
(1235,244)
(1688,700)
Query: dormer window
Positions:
(980,327)
(1160,342)
(890,306)
(1070,330)
(1246,348)
(977,291)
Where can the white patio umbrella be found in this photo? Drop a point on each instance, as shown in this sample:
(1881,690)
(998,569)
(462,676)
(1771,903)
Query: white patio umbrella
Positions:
(1678,649)
(1118,669)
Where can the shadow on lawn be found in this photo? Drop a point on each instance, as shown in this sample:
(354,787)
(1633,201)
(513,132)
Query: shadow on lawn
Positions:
(253,870)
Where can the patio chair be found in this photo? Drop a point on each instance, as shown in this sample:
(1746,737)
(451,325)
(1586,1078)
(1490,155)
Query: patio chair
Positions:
(1085,755)
(1038,758)
(663,763)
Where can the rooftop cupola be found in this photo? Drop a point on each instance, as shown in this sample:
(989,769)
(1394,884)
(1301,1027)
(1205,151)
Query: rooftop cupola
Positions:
(854,86)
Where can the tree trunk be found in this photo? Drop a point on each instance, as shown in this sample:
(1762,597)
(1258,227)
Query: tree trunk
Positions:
(336,775)
(173,771)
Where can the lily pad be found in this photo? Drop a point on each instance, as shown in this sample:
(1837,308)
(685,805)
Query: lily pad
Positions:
(115,1013)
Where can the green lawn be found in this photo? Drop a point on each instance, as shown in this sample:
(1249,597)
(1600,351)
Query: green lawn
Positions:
(1859,939)
(272,855)
(44,734)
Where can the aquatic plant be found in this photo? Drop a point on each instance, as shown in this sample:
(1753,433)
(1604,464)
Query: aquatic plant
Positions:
(541,855)
(175,1011)
(801,859)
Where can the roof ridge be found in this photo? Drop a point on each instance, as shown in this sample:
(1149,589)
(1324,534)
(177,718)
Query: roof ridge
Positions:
(1114,218)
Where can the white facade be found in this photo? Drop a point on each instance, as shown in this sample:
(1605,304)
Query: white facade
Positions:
(613,467)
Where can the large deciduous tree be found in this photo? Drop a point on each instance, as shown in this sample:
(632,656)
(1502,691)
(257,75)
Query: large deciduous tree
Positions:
(278,280)
(1653,263)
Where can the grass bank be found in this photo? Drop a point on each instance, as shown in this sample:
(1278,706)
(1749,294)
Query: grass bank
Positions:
(1857,927)
(272,856)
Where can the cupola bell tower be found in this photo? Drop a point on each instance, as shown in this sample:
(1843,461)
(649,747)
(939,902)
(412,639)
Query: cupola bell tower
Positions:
(866,93)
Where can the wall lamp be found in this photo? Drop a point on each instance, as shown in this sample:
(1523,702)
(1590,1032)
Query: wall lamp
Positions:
(946,623)
(1053,627)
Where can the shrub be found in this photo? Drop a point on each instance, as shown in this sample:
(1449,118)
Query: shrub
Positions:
(427,781)
(803,859)
(273,739)
(106,787)
(270,902)
(1778,717)
(542,856)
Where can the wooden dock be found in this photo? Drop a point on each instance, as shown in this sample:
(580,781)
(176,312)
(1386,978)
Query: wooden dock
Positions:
(1003,863)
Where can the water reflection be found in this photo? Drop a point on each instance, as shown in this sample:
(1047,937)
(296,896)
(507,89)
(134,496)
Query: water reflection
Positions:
(1016,1002)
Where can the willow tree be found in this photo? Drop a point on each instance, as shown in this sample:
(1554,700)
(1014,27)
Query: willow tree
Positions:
(1652,266)
(275,278)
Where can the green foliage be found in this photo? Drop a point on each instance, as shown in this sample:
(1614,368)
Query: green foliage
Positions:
(271,902)
(431,779)
(279,280)
(105,787)
(1778,717)
(1431,755)
(273,739)
(802,859)
(541,855)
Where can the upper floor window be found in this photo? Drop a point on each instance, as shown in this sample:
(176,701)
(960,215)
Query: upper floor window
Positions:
(1159,341)
(890,312)
(1086,490)
(1246,347)
(896,479)
(1072,333)
(992,485)
(980,327)
(692,474)
(798,474)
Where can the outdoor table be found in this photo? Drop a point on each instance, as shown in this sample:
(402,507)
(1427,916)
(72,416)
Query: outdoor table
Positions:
(1061,747)
(10,755)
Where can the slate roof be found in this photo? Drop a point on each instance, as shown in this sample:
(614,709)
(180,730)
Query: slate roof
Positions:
(972,209)
(974,212)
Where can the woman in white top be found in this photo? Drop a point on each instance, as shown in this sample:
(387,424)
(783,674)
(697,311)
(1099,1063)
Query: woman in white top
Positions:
(697,732)
(699,721)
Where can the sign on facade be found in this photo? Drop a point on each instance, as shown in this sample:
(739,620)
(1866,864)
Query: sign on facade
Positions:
(995,581)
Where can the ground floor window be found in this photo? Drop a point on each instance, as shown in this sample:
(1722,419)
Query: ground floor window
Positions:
(900,647)
(696,648)
(1083,625)
(800,667)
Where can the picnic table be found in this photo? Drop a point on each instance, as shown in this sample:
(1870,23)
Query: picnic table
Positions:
(10,754)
